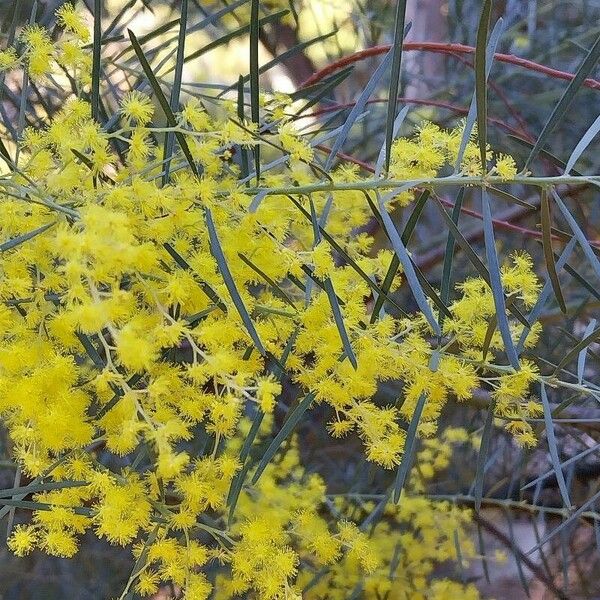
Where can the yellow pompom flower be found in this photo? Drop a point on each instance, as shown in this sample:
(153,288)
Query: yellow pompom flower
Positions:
(136,106)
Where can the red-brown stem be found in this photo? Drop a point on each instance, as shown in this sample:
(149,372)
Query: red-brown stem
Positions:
(444,48)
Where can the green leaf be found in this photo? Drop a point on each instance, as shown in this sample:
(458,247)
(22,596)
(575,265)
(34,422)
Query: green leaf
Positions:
(405,237)
(493,323)
(446,284)
(20,239)
(351,262)
(472,114)
(496,281)
(573,352)
(553,447)
(176,88)
(392,104)
(206,288)
(238,481)
(510,198)
(244,164)
(36,488)
(473,258)
(409,271)
(357,109)
(585,68)
(332,297)
(481,80)
(29,505)
(484,449)
(411,435)
(578,233)
(583,143)
(548,254)
(254,74)
(217,252)
(162,100)
(224,39)
(383,152)
(96,64)
(315,93)
(292,420)
(301,47)
(536,311)
(570,461)
(566,523)
(583,353)
(276,289)
(544,153)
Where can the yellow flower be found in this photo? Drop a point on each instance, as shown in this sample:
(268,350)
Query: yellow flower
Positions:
(138,107)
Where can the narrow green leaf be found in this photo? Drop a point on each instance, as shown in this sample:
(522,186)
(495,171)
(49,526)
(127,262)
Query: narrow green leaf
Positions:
(383,152)
(430,291)
(315,93)
(473,258)
(206,288)
(516,551)
(244,164)
(496,281)
(580,279)
(414,217)
(217,252)
(379,291)
(583,143)
(292,420)
(570,461)
(238,481)
(446,284)
(399,20)
(409,270)
(36,488)
(536,311)
(96,64)
(332,297)
(29,505)
(339,321)
(481,80)
(484,449)
(493,323)
(298,48)
(544,153)
(578,233)
(583,353)
(276,289)
(573,352)
(483,554)
(162,100)
(472,114)
(566,523)
(254,74)
(585,68)
(411,436)
(226,38)
(553,447)
(91,351)
(548,254)
(20,239)
(357,109)
(510,197)
(405,237)
(176,88)
(385,287)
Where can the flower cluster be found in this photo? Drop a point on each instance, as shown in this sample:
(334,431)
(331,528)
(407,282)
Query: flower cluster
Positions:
(149,304)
